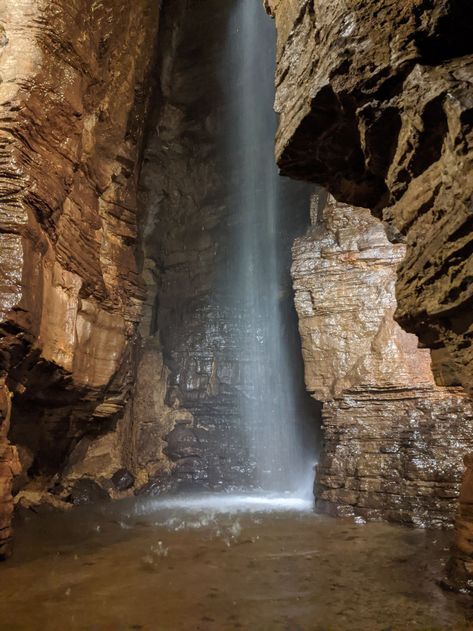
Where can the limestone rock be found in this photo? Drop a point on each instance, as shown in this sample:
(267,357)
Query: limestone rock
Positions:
(152,417)
(9,467)
(73,97)
(375,101)
(460,568)
(393,440)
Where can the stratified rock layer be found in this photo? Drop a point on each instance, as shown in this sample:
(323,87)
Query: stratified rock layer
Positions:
(192,188)
(460,568)
(72,104)
(376,105)
(393,440)
(182,194)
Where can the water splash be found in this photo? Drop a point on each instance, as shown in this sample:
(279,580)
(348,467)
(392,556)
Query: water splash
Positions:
(210,504)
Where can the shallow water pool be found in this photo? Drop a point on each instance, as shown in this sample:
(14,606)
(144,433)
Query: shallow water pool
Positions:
(217,563)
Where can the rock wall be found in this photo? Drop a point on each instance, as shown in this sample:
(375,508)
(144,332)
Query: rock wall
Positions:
(375,104)
(393,440)
(182,195)
(191,198)
(460,569)
(9,466)
(73,100)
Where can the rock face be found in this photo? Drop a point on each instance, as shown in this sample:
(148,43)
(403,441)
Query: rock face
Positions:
(393,440)
(73,101)
(9,466)
(375,103)
(187,195)
(182,195)
(460,570)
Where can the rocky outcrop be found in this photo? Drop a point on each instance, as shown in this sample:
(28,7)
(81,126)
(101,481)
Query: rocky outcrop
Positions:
(73,100)
(393,440)
(375,104)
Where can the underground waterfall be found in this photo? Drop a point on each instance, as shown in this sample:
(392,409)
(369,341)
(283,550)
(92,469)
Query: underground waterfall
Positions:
(210,417)
(269,409)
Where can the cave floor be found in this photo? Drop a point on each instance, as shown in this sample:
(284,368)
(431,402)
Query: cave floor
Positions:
(153,566)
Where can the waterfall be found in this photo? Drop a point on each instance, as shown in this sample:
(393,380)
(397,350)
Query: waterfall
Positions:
(258,197)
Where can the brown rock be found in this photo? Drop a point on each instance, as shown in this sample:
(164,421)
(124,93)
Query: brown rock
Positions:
(9,467)
(375,105)
(386,453)
(73,94)
(460,567)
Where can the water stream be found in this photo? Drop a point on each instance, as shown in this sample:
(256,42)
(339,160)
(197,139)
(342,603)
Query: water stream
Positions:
(268,401)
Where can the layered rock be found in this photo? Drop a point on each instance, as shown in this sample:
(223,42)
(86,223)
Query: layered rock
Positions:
(393,440)
(193,196)
(375,104)
(460,569)
(73,99)
(182,196)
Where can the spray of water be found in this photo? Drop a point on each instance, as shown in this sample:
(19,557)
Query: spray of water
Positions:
(267,401)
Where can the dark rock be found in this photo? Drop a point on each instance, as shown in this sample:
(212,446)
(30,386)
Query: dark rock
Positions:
(182,443)
(87,491)
(123,480)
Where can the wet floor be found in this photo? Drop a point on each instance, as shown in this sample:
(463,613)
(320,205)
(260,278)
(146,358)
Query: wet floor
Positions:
(225,564)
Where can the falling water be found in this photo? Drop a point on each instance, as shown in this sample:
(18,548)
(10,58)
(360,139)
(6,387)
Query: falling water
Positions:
(267,398)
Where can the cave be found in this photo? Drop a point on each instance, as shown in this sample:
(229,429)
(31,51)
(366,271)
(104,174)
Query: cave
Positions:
(235,323)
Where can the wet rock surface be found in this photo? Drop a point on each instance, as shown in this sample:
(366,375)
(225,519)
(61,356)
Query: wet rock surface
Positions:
(375,104)
(187,193)
(123,479)
(9,466)
(87,491)
(182,193)
(73,101)
(393,440)
(459,575)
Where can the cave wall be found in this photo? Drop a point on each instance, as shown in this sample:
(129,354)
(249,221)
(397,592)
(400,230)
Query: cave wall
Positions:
(73,101)
(375,105)
(191,199)
(182,197)
(393,440)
